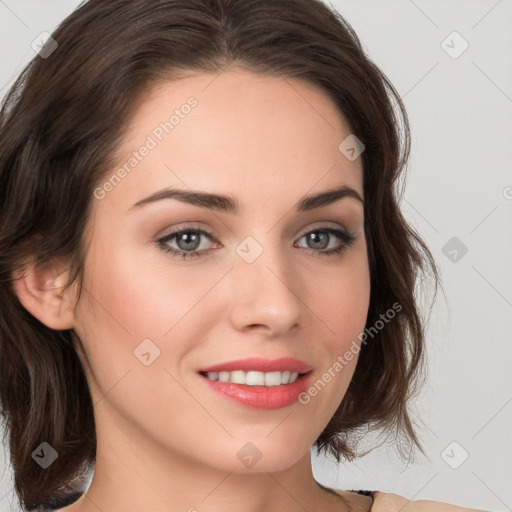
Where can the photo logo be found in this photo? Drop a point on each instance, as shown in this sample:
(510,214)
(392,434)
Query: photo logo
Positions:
(454,455)
(249,249)
(44,45)
(146,352)
(454,249)
(454,45)
(249,455)
(44,455)
(351,147)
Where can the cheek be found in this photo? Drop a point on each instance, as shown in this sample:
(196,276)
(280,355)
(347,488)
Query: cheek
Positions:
(137,295)
(125,303)
(341,299)
(131,297)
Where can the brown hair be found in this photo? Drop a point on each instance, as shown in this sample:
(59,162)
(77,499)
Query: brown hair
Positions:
(60,126)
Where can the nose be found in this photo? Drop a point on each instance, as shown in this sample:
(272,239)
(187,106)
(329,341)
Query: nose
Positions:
(266,292)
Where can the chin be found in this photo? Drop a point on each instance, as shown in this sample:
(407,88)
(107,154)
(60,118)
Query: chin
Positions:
(261,454)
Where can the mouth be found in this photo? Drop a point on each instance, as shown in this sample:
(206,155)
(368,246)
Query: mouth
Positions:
(259,383)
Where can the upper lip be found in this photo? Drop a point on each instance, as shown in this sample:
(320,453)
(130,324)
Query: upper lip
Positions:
(261,364)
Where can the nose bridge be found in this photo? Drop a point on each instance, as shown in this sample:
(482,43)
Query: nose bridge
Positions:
(266,289)
(261,257)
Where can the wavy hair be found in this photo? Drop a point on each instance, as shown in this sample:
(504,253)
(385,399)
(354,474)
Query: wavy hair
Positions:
(60,126)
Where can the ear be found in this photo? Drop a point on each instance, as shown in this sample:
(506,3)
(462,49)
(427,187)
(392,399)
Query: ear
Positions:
(39,290)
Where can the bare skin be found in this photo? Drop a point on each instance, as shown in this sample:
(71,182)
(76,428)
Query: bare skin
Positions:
(165,440)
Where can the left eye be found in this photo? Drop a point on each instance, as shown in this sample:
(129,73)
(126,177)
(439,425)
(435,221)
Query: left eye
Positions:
(188,241)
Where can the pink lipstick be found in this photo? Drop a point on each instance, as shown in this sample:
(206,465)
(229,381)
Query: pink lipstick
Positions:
(259,383)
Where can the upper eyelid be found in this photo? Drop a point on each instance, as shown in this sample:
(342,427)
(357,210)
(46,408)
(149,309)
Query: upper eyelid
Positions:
(210,233)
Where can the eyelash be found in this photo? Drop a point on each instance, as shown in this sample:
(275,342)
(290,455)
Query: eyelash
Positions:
(346,237)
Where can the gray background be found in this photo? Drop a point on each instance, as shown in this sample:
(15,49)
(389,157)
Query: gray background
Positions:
(459,184)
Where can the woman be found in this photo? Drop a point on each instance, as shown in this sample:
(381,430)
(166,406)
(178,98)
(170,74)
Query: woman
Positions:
(205,271)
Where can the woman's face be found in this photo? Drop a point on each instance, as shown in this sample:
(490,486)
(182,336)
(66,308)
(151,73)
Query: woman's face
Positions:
(261,286)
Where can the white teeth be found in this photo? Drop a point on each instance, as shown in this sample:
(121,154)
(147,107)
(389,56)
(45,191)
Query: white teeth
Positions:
(253,378)
(237,377)
(272,378)
(223,376)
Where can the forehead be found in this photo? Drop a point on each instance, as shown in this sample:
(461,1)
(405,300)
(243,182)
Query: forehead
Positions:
(231,132)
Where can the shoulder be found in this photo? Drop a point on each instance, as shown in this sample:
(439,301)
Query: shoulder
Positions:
(390,502)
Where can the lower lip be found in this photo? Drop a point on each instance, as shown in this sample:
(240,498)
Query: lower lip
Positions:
(260,397)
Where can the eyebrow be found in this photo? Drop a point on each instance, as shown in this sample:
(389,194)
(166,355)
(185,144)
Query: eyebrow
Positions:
(226,204)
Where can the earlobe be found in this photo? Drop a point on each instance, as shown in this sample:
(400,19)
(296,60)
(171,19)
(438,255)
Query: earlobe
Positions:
(40,291)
